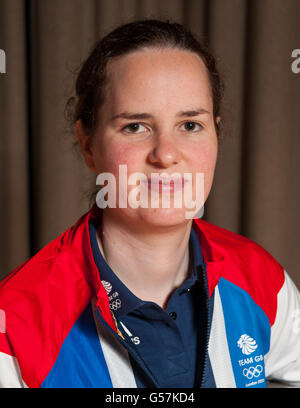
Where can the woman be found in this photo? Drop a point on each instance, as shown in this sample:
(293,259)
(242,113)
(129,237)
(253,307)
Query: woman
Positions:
(140,294)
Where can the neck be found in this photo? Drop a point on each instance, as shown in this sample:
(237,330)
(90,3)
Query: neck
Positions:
(152,265)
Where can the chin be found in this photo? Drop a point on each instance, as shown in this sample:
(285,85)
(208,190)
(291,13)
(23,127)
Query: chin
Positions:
(162,217)
(149,218)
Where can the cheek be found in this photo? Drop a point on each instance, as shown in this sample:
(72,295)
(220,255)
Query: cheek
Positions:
(110,156)
(204,158)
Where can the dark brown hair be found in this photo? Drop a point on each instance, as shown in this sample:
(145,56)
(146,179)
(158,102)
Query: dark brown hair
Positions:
(92,78)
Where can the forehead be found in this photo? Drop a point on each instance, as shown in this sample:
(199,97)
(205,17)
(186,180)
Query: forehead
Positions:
(156,79)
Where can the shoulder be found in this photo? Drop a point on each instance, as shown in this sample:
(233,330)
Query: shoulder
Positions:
(46,294)
(54,262)
(229,244)
(58,259)
(245,264)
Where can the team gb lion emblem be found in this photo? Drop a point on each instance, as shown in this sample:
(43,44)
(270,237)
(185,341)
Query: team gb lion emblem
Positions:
(247,344)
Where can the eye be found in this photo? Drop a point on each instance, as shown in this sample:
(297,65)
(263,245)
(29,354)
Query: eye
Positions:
(133,128)
(192,126)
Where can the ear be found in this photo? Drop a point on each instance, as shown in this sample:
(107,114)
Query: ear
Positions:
(84,141)
(218,119)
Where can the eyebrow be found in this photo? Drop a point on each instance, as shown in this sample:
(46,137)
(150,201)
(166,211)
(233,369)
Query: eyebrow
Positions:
(195,112)
(128,115)
(136,116)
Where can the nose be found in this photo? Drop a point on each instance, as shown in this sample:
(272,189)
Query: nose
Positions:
(164,153)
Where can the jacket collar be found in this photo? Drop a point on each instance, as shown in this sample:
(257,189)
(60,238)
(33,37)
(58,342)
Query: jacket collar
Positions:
(213,255)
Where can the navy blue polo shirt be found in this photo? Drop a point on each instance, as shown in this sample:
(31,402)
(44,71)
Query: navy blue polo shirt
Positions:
(167,339)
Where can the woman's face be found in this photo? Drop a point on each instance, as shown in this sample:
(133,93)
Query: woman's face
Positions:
(157,117)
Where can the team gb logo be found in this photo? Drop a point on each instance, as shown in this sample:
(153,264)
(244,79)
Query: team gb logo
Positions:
(247,344)
(107,286)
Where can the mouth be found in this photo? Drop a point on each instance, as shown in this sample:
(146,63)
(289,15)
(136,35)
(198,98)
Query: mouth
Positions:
(164,184)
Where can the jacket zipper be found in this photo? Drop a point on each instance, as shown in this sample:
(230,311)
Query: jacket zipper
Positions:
(127,344)
(208,324)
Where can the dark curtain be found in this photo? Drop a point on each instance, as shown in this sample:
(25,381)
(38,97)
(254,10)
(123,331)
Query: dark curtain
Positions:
(45,185)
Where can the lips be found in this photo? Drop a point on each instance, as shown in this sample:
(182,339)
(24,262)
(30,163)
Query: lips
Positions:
(164,184)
